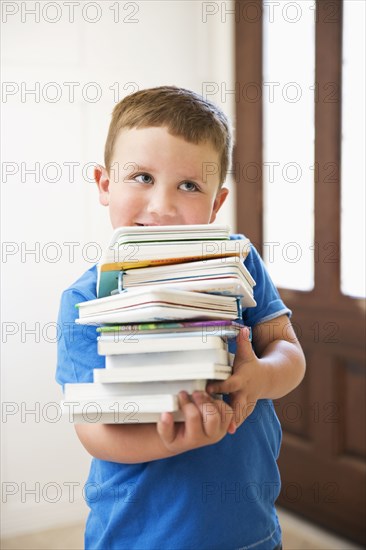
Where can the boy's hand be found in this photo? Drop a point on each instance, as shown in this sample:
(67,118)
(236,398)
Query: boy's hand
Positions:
(206,421)
(246,382)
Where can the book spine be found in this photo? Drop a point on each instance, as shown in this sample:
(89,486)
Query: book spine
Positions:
(161,325)
(115,266)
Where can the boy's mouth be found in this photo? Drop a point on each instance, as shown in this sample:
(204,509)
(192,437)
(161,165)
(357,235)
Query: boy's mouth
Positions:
(147,224)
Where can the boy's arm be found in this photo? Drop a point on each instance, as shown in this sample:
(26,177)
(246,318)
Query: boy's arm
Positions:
(281,357)
(270,369)
(206,421)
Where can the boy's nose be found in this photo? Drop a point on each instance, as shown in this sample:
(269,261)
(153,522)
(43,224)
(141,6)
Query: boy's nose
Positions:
(161,204)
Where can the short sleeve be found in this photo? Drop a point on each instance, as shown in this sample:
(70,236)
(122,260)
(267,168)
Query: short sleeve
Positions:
(77,344)
(269,303)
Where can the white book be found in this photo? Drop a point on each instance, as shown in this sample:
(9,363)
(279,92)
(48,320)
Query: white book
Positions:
(94,390)
(151,313)
(132,409)
(217,269)
(138,403)
(140,297)
(220,276)
(230,286)
(154,304)
(131,417)
(130,254)
(119,343)
(128,234)
(166,372)
(137,247)
(135,244)
(168,358)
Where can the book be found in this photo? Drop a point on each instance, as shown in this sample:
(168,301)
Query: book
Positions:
(113,343)
(225,286)
(149,373)
(136,247)
(155,304)
(207,269)
(133,234)
(93,390)
(169,358)
(82,415)
(225,329)
(219,276)
(139,403)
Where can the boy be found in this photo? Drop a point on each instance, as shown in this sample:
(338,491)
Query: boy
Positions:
(209,482)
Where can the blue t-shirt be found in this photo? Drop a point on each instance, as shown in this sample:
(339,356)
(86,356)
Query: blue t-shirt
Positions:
(217,497)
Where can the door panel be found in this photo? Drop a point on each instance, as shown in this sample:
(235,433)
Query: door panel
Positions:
(323,455)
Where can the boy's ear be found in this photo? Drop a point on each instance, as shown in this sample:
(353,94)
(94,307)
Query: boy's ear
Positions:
(102,180)
(219,201)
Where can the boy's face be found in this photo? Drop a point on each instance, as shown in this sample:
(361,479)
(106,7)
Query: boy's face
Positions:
(160,179)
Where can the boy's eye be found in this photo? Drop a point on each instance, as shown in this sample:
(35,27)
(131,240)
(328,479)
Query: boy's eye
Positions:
(143,178)
(189,186)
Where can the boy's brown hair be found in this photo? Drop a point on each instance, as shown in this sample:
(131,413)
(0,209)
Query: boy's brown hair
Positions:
(185,114)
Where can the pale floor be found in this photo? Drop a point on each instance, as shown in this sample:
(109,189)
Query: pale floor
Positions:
(297,535)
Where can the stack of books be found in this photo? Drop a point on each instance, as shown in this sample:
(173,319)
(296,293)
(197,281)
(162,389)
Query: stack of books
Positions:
(169,300)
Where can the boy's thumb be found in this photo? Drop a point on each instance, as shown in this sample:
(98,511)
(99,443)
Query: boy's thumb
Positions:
(244,350)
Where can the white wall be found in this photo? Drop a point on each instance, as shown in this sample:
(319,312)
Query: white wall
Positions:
(153,43)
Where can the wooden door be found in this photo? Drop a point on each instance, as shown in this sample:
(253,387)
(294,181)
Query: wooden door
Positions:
(322,460)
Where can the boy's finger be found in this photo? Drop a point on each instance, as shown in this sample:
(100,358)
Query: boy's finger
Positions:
(244,354)
(192,414)
(166,428)
(207,409)
(245,334)
(232,384)
(241,410)
(232,427)
(215,413)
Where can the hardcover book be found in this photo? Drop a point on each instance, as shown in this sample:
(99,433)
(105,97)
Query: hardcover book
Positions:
(138,247)
(155,304)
